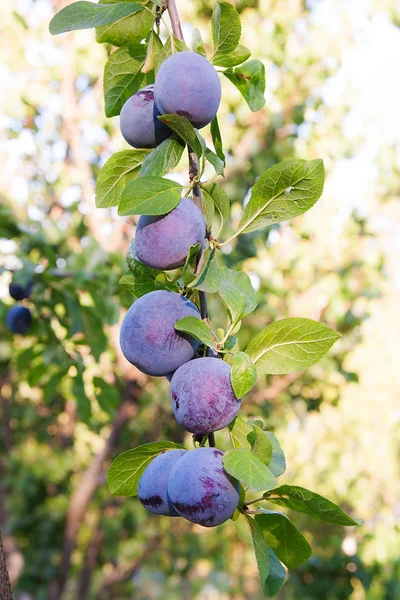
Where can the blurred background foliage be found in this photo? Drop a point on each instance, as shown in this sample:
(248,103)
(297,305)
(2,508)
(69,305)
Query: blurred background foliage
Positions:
(70,403)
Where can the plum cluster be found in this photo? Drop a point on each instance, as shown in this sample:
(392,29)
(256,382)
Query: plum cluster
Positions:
(187,85)
(191,484)
(19,318)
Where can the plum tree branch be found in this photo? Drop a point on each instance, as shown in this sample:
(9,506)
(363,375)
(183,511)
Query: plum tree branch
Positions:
(193,164)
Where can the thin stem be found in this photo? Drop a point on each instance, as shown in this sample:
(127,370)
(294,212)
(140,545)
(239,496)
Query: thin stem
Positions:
(211,440)
(254,501)
(253,512)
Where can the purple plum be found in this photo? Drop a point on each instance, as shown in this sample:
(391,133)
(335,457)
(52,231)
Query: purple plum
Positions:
(188,85)
(202,396)
(153,484)
(19,319)
(200,489)
(163,242)
(20,292)
(138,120)
(148,337)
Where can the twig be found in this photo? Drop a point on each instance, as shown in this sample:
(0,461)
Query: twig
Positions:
(175,21)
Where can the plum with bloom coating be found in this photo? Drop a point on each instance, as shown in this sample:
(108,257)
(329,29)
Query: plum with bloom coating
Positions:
(153,484)
(163,242)
(138,120)
(200,489)
(188,85)
(202,396)
(148,337)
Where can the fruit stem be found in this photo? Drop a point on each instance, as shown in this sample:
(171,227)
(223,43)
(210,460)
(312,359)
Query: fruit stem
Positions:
(211,440)
(254,501)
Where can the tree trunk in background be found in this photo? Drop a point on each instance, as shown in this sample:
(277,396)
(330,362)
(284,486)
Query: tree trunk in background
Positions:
(89,482)
(5,585)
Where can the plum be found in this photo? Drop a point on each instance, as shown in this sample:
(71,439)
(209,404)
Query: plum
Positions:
(188,85)
(163,242)
(20,292)
(19,319)
(148,337)
(153,484)
(202,396)
(138,120)
(200,489)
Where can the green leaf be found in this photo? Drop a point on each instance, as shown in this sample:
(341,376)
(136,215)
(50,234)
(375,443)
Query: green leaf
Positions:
(128,31)
(237,292)
(220,199)
(240,431)
(243,374)
(260,550)
(290,546)
(215,161)
(185,130)
(226,27)
(236,57)
(262,446)
(284,191)
(290,345)
(277,464)
(216,138)
(150,196)
(190,264)
(208,278)
(196,328)
(83,405)
(122,168)
(197,43)
(141,280)
(208,208)
(84,15)
(302,500)
(277,574)
(127,468)
(122,77)
(108,396)
(250,81)
(248,469)
(163,159)
(154,46)
(94,331)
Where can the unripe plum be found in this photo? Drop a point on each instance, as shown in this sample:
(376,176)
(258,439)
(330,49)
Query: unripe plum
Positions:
(138,120)
(202,396)
(200,489)
(188,85)
(19,319)
(148,337)
(163,242)
(153,484)
(20,292)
